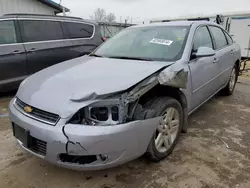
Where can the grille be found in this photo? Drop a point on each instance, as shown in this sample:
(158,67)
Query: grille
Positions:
(37,114)
(38,146)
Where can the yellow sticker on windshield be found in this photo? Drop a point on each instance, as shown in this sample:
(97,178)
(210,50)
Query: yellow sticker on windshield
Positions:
(161,41)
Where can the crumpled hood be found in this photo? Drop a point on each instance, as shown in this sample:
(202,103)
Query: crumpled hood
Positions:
(57,89)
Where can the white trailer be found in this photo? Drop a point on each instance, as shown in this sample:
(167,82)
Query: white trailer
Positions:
(236,23)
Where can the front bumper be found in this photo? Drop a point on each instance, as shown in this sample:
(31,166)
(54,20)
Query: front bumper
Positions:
(112,145)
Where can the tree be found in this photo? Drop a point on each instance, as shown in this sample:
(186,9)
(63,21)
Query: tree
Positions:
(110,17)
(100,15)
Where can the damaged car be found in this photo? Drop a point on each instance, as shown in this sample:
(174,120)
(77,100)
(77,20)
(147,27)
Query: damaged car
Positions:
(132,96)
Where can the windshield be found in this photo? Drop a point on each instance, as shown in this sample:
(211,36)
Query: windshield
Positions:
(156,43)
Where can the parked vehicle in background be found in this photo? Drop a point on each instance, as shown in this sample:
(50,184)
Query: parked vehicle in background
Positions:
(131,96)
(29,43)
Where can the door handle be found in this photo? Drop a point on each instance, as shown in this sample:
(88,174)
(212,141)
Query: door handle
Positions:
(215,60)
(232,52)
(32,50)
(16,52)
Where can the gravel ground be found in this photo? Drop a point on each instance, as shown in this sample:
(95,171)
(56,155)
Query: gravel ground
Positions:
(200,160)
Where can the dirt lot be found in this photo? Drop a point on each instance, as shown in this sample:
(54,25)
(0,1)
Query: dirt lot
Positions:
(246,73)
(201,159)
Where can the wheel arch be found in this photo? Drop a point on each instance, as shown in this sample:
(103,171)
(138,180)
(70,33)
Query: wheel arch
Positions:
(237,64)
(176,93)
(160,90)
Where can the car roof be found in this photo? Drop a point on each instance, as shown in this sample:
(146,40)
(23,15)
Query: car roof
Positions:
(43,16)
(177,23)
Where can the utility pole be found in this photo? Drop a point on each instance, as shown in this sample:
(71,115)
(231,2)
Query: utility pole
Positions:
(64,12)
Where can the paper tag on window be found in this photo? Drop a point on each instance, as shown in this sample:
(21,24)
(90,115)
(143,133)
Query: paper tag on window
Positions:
(161,41)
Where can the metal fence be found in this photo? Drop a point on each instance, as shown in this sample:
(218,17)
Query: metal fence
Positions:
(110,29)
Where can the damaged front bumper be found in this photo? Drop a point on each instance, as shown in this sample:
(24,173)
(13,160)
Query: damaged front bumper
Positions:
(82,147)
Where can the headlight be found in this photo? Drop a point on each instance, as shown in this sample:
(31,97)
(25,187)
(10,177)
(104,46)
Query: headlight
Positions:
(97,115)
(100,113)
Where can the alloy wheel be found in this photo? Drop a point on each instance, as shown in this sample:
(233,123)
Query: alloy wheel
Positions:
(167,129)
(232,80)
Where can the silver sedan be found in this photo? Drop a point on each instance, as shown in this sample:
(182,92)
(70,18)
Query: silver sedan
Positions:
(131,96)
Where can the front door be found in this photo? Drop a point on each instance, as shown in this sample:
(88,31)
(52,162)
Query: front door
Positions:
(12,56)
(204,70)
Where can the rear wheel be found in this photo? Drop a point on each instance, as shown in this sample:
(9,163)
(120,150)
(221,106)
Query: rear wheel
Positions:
(229,89)
(169,129)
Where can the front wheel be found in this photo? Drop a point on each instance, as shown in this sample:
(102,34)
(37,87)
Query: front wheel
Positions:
(169,129)
(229,89)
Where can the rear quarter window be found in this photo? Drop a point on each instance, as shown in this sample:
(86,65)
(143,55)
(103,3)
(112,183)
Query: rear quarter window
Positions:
(229,39)
(79,30)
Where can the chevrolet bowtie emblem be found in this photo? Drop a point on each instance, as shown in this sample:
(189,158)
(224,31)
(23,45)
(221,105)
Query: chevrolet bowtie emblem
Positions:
(28,109)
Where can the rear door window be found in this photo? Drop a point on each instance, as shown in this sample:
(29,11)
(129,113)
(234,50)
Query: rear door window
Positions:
(7,32)
(79,30)
(40,30)
(220,38)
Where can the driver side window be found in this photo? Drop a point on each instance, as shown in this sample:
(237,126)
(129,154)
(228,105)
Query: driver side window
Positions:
(202,38)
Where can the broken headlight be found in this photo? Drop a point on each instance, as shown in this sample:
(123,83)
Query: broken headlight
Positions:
(96,116)
(100,113)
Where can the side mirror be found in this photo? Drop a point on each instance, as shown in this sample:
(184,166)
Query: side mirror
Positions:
(204,52)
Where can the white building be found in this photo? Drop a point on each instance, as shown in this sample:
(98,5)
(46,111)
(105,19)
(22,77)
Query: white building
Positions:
(48,7)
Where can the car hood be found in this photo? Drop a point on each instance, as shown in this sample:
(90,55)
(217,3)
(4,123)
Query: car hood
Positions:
(61,89)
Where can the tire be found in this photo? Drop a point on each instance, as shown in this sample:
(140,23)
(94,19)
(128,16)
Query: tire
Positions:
(159,106)
(229,89)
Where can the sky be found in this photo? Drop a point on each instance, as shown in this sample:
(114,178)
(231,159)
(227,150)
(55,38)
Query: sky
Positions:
(145,10)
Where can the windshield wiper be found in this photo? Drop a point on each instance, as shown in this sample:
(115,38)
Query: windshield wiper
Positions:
(132,58)
(94,55)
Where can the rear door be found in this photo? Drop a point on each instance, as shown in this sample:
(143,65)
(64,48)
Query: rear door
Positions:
(12,55)
(204,70)
(225,52)
(44,43)
(83,36)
